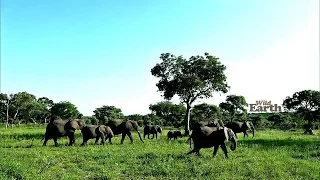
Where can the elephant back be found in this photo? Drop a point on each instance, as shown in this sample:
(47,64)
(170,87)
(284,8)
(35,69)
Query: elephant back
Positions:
(147,128)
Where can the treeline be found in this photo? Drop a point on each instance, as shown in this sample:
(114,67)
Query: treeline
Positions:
(24,107)
(198,77)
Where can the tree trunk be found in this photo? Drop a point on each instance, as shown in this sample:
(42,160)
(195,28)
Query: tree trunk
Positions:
(187,127)
(7,123)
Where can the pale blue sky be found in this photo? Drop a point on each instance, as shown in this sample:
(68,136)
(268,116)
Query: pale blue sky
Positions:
(95,53)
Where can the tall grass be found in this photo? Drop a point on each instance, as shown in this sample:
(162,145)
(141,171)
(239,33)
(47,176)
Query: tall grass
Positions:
(270,154)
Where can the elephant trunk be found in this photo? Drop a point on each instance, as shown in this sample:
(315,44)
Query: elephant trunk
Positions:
(233,145)
(140,136)
(253,132)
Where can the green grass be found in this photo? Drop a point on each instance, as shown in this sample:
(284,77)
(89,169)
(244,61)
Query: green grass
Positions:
(270,155)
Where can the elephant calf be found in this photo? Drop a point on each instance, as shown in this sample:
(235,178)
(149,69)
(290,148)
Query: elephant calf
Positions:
(174,135)
(150,129)
(96,131)
(177,134)
(170,135)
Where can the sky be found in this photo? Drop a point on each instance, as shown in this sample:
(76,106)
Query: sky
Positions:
(101,53)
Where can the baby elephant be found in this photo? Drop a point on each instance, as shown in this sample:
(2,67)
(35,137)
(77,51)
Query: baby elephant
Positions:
(170,135)
(96,131)
(174,135)
(177,134)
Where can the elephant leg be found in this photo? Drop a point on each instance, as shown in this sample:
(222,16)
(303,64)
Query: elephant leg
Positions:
(215,150)
(71,139)
(97,139)
(46,138)
(152,136)
(84,143)
(130,136)
(122,138)
(192,151)
(224,148)
(156,135)
(144,135)
(103,140)
(148,136)
(198,152)
(110,139)
(55,139)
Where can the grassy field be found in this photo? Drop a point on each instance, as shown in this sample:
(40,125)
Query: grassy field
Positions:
(270,155)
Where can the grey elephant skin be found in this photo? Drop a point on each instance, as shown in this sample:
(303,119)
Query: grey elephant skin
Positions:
(96,131)
(170,135)
(174,135)
(177,134)
(124,127)
(152,129)
(59,128)
(241,127)
(207,137)
(214,123)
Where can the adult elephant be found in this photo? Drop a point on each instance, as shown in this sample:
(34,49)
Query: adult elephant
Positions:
(124,127)
(207,137)
(96,131)
(59,128)
(241,127)
(151,129)
(214,123)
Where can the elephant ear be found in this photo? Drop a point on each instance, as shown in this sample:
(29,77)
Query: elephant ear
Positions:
(226,134)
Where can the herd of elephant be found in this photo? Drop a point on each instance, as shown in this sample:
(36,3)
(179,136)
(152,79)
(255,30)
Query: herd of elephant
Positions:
(204,134)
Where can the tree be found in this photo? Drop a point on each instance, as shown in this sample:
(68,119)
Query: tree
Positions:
(196,78)
(169,112)
(20,105)
(234,106)
(5,103)
(305,103)
(205,111)
(65,110)
(106,113)
(46,105)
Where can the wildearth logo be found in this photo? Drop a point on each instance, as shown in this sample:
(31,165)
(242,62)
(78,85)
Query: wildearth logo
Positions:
(264,106)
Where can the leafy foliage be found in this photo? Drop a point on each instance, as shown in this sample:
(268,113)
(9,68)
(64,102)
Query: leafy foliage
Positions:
(235,106)
(205,112)
(197,77)
(106,113)
(172,114)
(305,103)
(65,110)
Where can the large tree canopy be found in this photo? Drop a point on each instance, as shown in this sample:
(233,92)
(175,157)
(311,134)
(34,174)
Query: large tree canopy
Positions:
(234,106)
(205,112)
(65,110)
(305,103)
(171,113)
(106,113)
(197,77)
